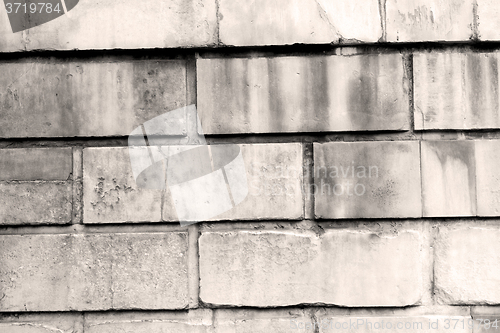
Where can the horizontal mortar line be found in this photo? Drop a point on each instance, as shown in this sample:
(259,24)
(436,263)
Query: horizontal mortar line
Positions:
(182,53)
(304,137)
(249,225)
(353,311)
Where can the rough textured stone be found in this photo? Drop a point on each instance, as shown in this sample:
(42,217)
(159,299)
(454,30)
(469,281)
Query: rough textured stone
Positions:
(197,321)
(35,203)
(266,268)
(110,192)
(98,98)
(93,272)
(429,20)
(302,94)
(456,91)
(258,321)
(120,24)
(488,12)
(448,178)
(41,323)
(376,179)
(487,177)
(35,164)
(289,22)
(465,261)
(274,180)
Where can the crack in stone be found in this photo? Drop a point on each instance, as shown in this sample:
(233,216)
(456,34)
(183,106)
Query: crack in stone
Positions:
(382,7)
(324,15)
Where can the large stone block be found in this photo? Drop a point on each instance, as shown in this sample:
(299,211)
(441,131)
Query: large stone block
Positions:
(303,94)
(35,203)
(456,91)
(35,164)
(465,265)
(110,192)
(122,24)
(98,98)
(74,272)
(429,20)
(377,179)
(246,23)
(488,177)
(448,178)
(274,183)
(346,268)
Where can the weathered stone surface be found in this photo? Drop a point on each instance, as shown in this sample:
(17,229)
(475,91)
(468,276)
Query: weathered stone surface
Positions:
(302,94)
(488,12)
(110,192)
(377,179)
(35,203)
(194,321)
(41,323)
(274,181)
(35,164)
(456,91)
(465,261)
(290,22)
(258,321)
(488,177)
(266,268)
(93,272)
(98,98)
(448,178)
(429,20)
(120,25)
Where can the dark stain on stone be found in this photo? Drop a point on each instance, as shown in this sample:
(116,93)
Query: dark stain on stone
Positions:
(316,101)
(276,107)
(65,100)
(477,94)
(493,63)
(363,93)
(463,151)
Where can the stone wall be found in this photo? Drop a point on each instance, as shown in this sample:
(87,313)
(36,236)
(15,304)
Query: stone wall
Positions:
(369,134)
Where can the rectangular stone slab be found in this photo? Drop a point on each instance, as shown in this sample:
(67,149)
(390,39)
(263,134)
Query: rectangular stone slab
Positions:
(76,272)
(303,94)
(283,268)
(375,179)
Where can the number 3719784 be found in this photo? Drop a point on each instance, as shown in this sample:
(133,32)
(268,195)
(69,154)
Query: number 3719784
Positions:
(34,7)
(480,323)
